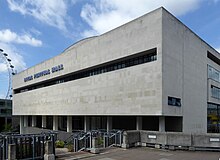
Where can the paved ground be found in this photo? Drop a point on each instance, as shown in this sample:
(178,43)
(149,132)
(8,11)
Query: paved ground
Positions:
(143,153)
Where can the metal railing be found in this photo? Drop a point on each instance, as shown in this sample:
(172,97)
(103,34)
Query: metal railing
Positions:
(113,138)
(94,139)
(28,146)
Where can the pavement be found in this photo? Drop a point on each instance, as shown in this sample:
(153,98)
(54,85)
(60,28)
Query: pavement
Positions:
(139,153)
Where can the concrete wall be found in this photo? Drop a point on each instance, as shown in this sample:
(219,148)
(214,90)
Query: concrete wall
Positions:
(171,139)
(184,74)
(131,91)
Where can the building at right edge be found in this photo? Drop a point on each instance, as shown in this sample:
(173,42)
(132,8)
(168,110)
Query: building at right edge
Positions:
(178,89)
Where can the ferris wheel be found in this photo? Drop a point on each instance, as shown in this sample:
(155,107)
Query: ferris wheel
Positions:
(6,72)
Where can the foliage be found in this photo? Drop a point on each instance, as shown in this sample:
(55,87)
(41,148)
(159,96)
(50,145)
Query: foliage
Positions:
(100,141)
(7,128)
(70,147)
(59,144)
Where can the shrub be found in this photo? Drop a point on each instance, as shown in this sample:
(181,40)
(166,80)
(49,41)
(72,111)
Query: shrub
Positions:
(70,147)
(7,128)
(59,144)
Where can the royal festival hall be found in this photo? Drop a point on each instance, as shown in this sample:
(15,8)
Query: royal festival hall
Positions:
(152,73)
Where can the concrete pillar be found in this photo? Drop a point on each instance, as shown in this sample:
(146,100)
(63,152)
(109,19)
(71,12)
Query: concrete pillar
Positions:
(162,124)
(25,121)
(109,123)
(49,155)
(6,120)
(44,122)
(11,152)
(34,121)
(138,123)
(55,123)
(86,123)
(21,124)
(69,124)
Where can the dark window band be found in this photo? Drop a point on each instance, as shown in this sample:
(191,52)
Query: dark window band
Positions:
(136,59)
(213,57)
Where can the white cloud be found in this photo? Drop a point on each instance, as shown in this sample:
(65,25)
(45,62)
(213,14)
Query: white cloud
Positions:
(17,59)
(104,15)
(218,49)
(7,36)
(51,12)
(35,31)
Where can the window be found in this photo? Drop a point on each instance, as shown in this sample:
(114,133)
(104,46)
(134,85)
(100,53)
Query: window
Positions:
(213,118)
(215,92)
(172,101)
(136,59)
(213,74)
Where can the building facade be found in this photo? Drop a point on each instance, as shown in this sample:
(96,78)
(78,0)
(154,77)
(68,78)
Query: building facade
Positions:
(152,73)
(5,113)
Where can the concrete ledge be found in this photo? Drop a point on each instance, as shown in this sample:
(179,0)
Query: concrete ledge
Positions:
(126,146)
(49,157)
(157,146)
(206,140)
(179,139)
(153,137)
(95,150)
(171,140)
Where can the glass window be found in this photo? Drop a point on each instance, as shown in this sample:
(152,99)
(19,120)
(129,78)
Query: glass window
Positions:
(213,121)
(213,74)
(174,101)
(215,92)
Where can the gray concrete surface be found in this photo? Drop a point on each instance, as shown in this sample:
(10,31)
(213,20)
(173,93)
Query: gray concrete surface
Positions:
(144,153)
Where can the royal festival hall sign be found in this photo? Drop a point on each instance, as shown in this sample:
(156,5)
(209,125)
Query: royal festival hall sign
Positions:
(44,73)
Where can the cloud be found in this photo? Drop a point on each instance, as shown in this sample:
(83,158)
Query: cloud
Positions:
(218,49)
(104,15)
(51,12)
(35,31)
(7,36)
(17,59)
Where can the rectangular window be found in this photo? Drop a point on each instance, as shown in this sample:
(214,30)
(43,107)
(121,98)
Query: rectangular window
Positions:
(213,118)
(215,92)
(173,101)
(213,74)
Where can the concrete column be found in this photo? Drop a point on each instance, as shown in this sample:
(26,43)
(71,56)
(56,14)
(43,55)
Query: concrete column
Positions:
(69,124)
(11,151)
(44,122)
(34,121)
(86,123)
(162,124)
(21,124)
(138,123)
(49,154)
(109,123)
(55,123)
(6,120)
(25,121)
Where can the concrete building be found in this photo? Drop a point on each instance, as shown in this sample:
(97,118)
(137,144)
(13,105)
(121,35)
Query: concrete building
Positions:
(152,73)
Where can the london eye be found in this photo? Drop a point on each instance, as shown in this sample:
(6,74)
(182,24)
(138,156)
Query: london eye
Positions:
(6,72)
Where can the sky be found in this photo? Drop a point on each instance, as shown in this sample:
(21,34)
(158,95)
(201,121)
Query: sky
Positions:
(32,31)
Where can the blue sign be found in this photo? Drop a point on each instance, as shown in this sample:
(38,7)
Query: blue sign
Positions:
(44,73)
